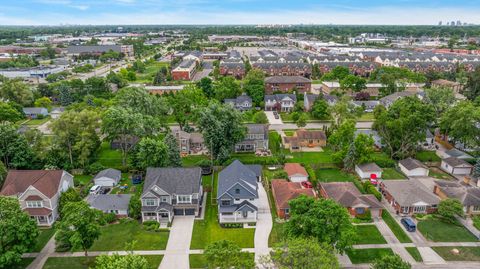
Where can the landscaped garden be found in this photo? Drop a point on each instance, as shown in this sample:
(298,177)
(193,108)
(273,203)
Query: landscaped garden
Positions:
(395,227)
(438,231)
(464,253)
(89,262)
(367,255)
(115,236)
(392,173)
(369,234)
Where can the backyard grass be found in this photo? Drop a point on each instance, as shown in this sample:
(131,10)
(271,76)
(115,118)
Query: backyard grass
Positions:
(108,157)
(369,234)
(36,122)
(391,173)
(438,231)
(82,180)
(414,253)
(437,173)
(427,156)
(192,160)
(395,227)
(198,261)
(42,239)
(367,255)
(324,157)
(367,117)
(115,236)
(89,262)
(208,230)
(466,253)
(24,263)
(336,175)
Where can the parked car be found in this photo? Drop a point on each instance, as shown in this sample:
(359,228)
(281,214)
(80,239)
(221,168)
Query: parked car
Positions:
(307,184)
(105,190)
(206,170)
(409,224)
(275,114)
(95,189)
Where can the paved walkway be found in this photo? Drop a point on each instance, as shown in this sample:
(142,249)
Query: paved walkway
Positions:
(178,246)
(393,242)
(263,226)
(42,257)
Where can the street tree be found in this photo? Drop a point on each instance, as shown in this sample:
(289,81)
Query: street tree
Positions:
(19,232)
(78,228)
(390,262)
(222,128)
(403,126)
(449,208)
(302,120)
(305,253)
(323,219)
(342,110)
(225,254)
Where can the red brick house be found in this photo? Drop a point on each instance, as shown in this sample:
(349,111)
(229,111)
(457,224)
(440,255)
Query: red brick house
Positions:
(185,71)
(287,83)
(346,194)
(284,191)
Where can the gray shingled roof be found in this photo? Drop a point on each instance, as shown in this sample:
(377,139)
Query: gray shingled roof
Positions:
(109,173)
(409,192)
(235,173)
(369,167)
(174,180)
(411,163)
(468,195)
(453,161)
(106,202)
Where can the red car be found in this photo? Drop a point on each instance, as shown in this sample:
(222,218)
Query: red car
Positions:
(307,184)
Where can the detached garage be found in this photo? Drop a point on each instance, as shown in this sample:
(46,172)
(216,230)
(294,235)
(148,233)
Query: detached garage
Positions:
(368,170)
(456,166)
(108,177)
(413,168)
(296,172)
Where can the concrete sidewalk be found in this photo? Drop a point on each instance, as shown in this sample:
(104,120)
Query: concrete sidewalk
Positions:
(178,246)
(42,257)
(393,242)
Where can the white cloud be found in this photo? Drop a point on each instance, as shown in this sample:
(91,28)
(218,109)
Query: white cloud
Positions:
(80,7)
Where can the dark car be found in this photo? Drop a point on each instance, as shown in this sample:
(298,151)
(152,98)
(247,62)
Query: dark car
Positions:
(409,224)
(105,190)
(206,170)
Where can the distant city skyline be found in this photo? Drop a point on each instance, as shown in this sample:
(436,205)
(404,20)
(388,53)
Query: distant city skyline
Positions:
(395,12)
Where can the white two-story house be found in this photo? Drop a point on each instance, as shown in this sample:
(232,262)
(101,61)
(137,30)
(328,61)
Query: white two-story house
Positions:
(280,102)
(38,192)
(172,191)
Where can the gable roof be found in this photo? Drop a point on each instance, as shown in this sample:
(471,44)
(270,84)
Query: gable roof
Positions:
(410,163)
(237,173)
(456,162)
(466,194)
(109,173)
(287,79)
(174,180)
(46,181)
(409,192)
(310,134)
(369,167)
(346,194)
(294,168)
(458,153)
(109,201)
(284,191)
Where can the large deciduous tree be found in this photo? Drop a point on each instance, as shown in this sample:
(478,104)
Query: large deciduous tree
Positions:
(441,99)
(353,83)
(254,85)
(173,150)
(472,87)
(206,85)
(226,87)
(449,208)
(79,226)
(150,152)
(9,113)
(222,128)
(16,91)
(19,232)
(305,253)
(460,123)
(403,126)
(323,219)
(185,102)
(227,255)
(14,149)
(320,109)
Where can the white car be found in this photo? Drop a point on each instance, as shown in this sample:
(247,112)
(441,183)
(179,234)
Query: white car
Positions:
(95,189)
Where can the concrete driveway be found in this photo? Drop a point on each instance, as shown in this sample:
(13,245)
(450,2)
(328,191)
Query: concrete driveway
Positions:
(271,118)
(264,225)
(178,246)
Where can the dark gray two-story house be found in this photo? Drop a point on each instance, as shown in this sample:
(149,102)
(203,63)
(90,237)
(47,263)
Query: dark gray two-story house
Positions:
(255,139)
(237,193)
(170,192)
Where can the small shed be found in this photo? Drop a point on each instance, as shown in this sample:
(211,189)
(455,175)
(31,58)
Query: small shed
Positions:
(108,177)
(366,170)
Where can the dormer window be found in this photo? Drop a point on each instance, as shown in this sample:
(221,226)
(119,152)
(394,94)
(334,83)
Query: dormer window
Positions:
(237,191)
(34,204)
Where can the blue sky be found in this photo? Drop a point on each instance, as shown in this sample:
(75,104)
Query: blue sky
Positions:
(55,12)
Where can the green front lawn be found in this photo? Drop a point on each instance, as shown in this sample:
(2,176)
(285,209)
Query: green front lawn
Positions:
(438,231)
(392,173)
(89,262)
(427,156)
(367,255)
(208,230)
(37,122)
(198,261)
(115,236)
(395,227)
(367,117)
(414,253)
(42,239)
(24,263)
(369,234)
(465,254)
(108,157)
(287,117)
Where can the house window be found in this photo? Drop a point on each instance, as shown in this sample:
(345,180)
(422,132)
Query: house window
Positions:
(225,202)
(149,202)
(34,204)
(150,214)
(420,209)
(184,199)
(114,211)
(360,210)
(476,208)
(237,191)
(164,199)
(287,211)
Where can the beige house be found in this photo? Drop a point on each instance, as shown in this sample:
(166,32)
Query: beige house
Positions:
(38,192)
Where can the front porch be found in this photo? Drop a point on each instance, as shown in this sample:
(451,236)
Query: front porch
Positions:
(238,217)
(43,220)
(162,216)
